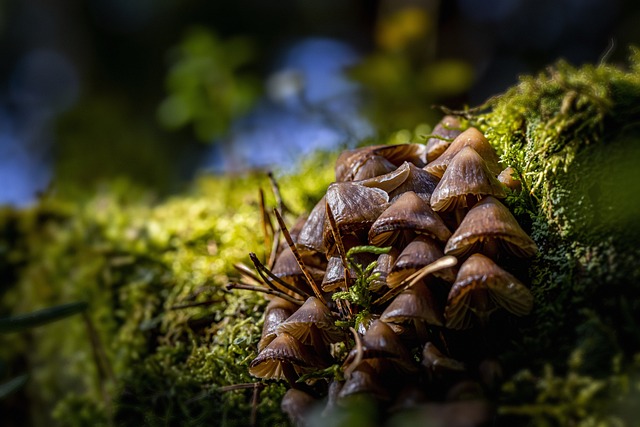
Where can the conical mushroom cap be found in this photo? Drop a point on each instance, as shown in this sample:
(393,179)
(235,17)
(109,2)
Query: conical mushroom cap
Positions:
(382,268)
(489,220)
(449,128)
(312,314)
(288,269)
(471,137)
(509,179)
(354,207)
(408,212)
(420,252)
(415,303)
(310,237)
(334,275)
(277,311)
(481,287)
(364,379)
(466,176)
(283,352)
(350,162)
(389,181)
(437,363)
(372,167)
(418,180)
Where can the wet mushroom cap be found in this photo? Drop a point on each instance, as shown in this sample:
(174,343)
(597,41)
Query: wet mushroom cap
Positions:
(490,220)
(420,252)
(471,137)
(312,314)
(310,237)
(277,311)
(448,128)
(408,212)
(415,303)
(466,176)
(354,207)
(482,286)
(418,180)
(508,178)
(283,352)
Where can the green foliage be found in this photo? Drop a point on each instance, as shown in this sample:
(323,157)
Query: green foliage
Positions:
(207,84)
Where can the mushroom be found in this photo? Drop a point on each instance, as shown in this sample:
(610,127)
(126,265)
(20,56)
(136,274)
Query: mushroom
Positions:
(407,213)
(298,405)
(277,311)
(350,162)
(287,269)
(309,240)
(284,358)
(471,137)
(508,179)
(364,380)
(440,366)
(418,180)
(447,129)
(312,324)
(482,287)
(466,180)
(422,251)
(416,305)
(383,267)
(354,208)
(488,227)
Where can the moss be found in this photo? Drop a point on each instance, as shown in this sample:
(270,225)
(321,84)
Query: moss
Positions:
(163,339)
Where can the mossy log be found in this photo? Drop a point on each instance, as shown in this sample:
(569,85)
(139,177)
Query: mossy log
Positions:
(164,343)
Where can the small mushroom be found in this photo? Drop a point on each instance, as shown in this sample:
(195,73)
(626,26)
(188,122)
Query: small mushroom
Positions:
(298,406)
(383,267)
(418,180)
(408,213)
(508,178)
(466,180)
(418,306)
(350,162)
(364,380)
(420,252)
(482,287)
(277,311)
(488,227)
(471,137)
(287,269)
(448,129)
(310,237)
(283,359)
(440,366)
(312,324)
(354,208)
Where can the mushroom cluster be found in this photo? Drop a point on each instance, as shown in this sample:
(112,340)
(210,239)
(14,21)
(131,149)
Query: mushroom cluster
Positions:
(390,287)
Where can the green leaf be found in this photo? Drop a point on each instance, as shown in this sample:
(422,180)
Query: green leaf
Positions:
(12,385)
(40,317)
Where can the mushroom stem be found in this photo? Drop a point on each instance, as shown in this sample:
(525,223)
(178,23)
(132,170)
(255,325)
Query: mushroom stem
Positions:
(296,254)
(269,291)
(262,270)
(444,262)
(359,353)
(318,344)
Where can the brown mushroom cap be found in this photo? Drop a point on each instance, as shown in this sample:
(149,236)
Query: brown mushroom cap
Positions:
(334,275)
(350,162)
(382,269)
(438,364)
(508,178)
(418,180)
(364,380)
(312,314)
(466,176)
(489,221)
(310,237)
(372,167)
(278,310)
(420,252)
(282,354)
(448,128)
(407,213)
(288,269)
(471,137)
(355,207)
(480,288)
(415,303)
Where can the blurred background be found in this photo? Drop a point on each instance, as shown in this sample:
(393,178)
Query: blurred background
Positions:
(154,93)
